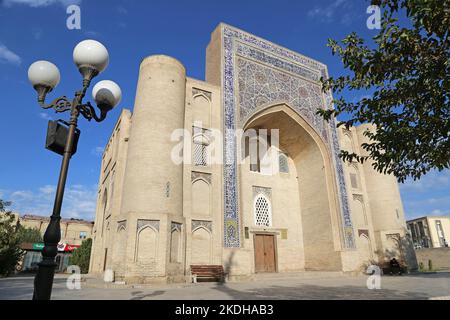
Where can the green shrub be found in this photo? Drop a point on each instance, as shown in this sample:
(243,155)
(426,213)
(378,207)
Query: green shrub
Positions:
(82,256)
(10,252)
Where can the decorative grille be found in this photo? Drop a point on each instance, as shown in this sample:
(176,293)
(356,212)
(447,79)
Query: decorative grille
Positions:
(283,163)
(200,154)
(262,211)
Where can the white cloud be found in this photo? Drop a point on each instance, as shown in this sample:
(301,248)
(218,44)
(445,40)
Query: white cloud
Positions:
(7,56)
(45,116)
(122,10)
(37,34)
(79,201)
(92,34)
(97,151)
(39,3)
(428,196)
(21,195)
(432,180)
(48,189)
(330,12)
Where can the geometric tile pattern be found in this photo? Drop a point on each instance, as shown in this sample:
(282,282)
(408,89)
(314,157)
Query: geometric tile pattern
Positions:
(201,175)
(144,222)
(122,224)
(175,226)
(262,190)
(201,223)
(196,92)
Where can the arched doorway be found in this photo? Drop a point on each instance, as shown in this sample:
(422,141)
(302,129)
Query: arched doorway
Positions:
(317,195)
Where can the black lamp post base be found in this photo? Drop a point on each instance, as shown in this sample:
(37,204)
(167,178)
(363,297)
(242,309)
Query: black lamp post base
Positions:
(43,281)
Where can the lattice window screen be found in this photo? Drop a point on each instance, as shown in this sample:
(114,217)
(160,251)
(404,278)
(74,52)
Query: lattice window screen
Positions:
(200,154)
(283,163)
(262,212)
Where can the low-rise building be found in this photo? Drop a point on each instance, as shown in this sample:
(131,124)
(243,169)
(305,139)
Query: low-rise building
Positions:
(430,231)
(73,232)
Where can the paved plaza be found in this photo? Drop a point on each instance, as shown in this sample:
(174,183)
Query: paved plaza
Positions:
(417,286)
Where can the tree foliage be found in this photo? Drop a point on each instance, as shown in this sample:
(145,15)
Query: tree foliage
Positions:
(407,69)
(10,252)
(29,235)
(82,256)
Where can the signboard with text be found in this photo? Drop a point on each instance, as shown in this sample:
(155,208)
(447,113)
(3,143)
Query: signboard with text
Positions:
(62,247)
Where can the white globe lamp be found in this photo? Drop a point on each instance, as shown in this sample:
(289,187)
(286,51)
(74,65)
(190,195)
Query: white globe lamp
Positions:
(107,94)
(44,73)
(91,57)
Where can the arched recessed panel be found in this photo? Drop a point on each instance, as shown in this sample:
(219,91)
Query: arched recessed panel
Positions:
(201,198)
(355,181)
(201,247)
(201,111)
(364,248)
(104,208)
(175,246)
(347,143)
(120,247)
(359,213)
(146,245)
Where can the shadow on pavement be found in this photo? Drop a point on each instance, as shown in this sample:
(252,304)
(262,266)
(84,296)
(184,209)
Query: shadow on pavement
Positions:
(138,295)
(20,288)
(314,292)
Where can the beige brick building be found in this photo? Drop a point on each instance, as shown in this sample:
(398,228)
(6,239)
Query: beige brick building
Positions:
(73,231)
(182,182)
(430,231)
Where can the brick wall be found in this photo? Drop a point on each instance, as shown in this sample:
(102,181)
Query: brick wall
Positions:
(440,258)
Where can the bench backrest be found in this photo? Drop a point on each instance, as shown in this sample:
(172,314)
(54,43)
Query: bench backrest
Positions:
(207,269)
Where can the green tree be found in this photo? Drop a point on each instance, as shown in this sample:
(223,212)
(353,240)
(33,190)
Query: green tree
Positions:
(82,256)
(406,72)
(29,235)
(10,252)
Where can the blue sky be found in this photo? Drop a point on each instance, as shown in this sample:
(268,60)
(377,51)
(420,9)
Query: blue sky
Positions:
(36,29)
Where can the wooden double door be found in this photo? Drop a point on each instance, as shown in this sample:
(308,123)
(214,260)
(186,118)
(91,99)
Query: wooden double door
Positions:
(265,253)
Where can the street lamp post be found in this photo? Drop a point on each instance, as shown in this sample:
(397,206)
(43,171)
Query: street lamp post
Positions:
(91,58)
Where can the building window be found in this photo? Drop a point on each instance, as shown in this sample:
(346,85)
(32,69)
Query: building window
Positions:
(252,147)
(354,180)
(283,163)
(258,148)
(262,211)
(200,153)
(440,233)
(83,234)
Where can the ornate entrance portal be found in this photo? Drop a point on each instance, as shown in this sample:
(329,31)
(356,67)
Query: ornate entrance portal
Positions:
(302,200)
(265,253)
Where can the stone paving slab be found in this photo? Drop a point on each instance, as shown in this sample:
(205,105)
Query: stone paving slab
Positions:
(417,286)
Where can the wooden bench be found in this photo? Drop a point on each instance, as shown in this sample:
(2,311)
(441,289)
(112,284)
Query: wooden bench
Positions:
(212,273)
